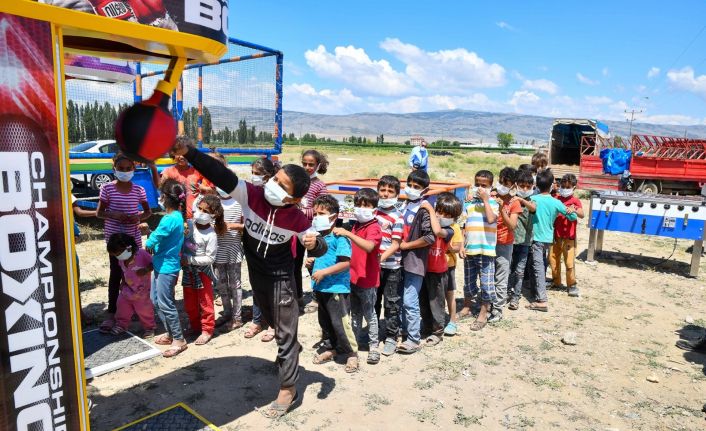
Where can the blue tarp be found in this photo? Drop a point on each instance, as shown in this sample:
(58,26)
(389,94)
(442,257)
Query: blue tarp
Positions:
(615,160)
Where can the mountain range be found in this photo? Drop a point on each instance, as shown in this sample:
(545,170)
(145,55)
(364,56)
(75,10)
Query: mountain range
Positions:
(454,125)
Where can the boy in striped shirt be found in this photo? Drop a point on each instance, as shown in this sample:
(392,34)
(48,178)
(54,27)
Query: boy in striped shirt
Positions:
(392,227)
(480,232)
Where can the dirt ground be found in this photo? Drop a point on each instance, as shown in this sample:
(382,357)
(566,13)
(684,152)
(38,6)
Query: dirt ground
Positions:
(516,374)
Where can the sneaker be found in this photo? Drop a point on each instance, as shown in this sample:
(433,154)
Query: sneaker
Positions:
(451,329)
(698,345)
(495,316)
(389,347)
(514,304)
(574,291)
(373,357)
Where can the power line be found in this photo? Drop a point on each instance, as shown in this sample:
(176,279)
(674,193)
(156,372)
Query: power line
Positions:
(632,118)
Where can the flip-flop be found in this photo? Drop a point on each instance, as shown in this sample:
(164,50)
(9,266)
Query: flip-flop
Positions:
(203,339)
(432,340)
(352,365)
(311,307)
(478,325)
(407,348)
(536,307)
(275,411)
(106,326)
(163,340)
(252,332)
(267,337)
(174,350)
(117,330)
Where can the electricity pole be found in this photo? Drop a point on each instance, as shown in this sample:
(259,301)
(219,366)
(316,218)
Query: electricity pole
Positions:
(632,117)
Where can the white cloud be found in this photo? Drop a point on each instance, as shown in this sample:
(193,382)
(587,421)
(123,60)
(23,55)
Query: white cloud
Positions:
(354,67)
(673,119)
(477,101)
(305,98)
(605,71)
(458,68)
(585,80)
(684,79)
(653,72)
(599,100)
(505,26)
(523,98)
(544,85)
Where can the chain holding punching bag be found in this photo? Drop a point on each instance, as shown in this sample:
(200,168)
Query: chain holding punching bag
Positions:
(146,130)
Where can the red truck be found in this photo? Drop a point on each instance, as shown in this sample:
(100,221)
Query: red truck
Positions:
(659,164)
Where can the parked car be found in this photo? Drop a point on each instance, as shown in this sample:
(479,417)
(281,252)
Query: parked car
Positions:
(97,179)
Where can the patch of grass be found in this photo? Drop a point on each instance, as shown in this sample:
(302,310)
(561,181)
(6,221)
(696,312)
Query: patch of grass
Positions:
(505,324)
(373,173)
(374,402)
(425,415)
(466,421)
(424,384)
(649,353)
(493,362)
(592,392)
(525,422)
(546,345)
(525,348)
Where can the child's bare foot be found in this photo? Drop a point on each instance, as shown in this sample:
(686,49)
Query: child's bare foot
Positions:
(465,312)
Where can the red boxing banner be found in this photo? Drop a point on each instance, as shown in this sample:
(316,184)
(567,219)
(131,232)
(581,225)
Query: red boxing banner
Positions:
(39,382)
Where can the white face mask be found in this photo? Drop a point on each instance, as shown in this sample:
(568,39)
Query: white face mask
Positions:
(445,221)
(502,190)
(412,194)
(257,180)
(321,223)
(160,201)
(565,193)
(475,190)
(275,194)
(387,203)
(125,255)
(363,215)
(524,194)
(201,217)
(124,176)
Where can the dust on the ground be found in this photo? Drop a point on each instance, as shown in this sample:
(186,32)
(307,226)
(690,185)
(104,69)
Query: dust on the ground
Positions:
(516,374)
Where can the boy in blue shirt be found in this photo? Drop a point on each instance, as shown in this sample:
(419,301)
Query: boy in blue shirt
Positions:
(547,210)
(331,283)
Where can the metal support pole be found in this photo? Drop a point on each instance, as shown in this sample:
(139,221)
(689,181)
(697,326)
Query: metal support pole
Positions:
(200,119)
(591,252)
(696,256)
(137,83)
(599,241)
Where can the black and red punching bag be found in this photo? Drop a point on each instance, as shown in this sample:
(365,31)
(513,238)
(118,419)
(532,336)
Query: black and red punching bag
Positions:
(146,130)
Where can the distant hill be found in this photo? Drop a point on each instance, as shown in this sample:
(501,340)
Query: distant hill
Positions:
(459,125)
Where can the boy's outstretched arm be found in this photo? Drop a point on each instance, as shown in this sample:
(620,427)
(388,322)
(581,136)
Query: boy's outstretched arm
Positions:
(314,244)
(342,264)
(362,243)
(435,226)
(210,168)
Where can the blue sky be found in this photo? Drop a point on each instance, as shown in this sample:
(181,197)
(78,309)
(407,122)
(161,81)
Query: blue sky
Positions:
(581,59)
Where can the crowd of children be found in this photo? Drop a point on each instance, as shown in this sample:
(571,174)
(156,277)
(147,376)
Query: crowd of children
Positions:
(397,259)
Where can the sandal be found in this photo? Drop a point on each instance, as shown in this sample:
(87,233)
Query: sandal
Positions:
(163,340)
(106,326)
(536,306)
(174,350)
(275,411)
(252,331)
(352,365)
(432,340)
(324,357)
(477,325)
(408,347)
(373,357)
(451,329)
(268,336)
(204,338)
(117,330)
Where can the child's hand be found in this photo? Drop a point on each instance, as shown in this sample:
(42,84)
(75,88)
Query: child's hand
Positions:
(339,231)
(462,253)
(570,210)
(318,276)
(309,241)
(141,272)
(427,206)
(309,262)
(483,194)
(403,245)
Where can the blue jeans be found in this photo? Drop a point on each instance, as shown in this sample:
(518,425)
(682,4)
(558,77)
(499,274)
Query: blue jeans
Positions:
(483,267)
(517,269)
(162,296)
(539,264)
(411,320)
(503,257)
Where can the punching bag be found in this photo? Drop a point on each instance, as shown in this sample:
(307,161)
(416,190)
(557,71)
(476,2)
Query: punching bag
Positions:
(146,130)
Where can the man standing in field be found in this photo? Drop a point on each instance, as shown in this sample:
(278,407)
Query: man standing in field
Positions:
(419,159)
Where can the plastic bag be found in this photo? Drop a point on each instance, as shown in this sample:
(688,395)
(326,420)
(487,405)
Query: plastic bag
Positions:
(615,160)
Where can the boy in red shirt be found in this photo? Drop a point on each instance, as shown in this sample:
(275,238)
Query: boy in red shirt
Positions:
(510,210)
(432,296)
(366,237)
(565,236)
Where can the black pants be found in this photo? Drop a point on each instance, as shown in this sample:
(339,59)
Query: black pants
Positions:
(116,276)
(432,302)
(276,297)
(391,287)
(334,314)
(298,264)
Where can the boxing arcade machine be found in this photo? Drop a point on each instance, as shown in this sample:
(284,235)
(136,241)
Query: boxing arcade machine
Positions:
(43,383)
